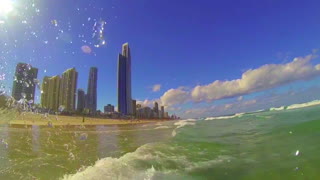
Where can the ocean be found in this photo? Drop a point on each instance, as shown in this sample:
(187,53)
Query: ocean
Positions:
(281,143)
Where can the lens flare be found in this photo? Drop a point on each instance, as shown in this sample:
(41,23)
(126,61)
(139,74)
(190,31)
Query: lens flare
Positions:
(6,6)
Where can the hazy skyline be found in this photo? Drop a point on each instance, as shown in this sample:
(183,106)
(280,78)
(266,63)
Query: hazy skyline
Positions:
(177,54)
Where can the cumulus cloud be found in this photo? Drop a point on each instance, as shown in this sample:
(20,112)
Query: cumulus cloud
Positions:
(254,80)
(170,98)
(147,102)
(175,96)
(156,87)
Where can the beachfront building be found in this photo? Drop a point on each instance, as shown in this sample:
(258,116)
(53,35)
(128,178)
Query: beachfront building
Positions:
(162,112)
(44,92)
(24,82)
(81,100)
(156,110)
(108,109)
(91,97)
(50,91)
(134,108)
(68,87)
(166,115)
(54,93)
(124,81)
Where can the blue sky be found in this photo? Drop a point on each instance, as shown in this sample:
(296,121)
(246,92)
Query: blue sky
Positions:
(173,43)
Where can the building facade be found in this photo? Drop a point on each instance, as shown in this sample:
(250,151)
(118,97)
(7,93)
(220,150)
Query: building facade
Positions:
(162,112)
(81,100)
(44,92)
(156,110)
(54,93)
(50,91)
(68,87)
(124,81)
(134,108)
(91,98)
(108,109)
(24,83)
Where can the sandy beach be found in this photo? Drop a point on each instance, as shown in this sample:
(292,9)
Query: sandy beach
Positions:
(29,119)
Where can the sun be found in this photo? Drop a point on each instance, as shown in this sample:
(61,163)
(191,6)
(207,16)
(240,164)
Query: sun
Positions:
(6,6)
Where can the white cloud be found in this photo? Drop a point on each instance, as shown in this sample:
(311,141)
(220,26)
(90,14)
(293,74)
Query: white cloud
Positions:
(175,96)
(254,80)
(147,102)
(156,87)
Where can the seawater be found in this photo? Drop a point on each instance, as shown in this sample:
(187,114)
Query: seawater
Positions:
(280,144)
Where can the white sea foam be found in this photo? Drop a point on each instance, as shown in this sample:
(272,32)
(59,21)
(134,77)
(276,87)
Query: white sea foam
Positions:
(225,117)
(162,127)
(129,165)
(311,103)
(182,123)
(122,168)
(277,109)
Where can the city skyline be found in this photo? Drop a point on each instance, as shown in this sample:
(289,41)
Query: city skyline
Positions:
(179,69)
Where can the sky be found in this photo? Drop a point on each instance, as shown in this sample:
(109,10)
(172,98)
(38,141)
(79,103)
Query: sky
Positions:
(198,58)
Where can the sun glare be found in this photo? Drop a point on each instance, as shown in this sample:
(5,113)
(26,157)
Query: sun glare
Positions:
(6,6)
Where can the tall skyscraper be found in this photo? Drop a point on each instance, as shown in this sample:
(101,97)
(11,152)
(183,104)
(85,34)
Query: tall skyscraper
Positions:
(54,92)
(44,92)
(124,81)
(81,100)
(68,87)
(162,112)
(91,101)
(24,83)
(156,110)
(134,107)
(50,90)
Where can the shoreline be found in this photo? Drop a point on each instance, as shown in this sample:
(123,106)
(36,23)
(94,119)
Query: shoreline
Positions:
(29,120)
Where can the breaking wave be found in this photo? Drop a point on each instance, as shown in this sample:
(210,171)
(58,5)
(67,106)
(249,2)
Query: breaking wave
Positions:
(147,162)
(278,109)
(182,123)
(311,103)
(225,117)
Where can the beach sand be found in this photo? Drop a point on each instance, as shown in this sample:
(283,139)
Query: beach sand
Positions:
(29,119)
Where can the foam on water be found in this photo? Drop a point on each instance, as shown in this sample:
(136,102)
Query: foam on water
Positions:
(225,117)
(182,123)
(141,165)
(277,109)
(162,127)
(311,103)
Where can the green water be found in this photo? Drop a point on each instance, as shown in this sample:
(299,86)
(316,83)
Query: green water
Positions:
(266,145)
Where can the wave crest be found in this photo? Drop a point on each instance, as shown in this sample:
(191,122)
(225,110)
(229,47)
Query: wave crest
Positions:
(225,117)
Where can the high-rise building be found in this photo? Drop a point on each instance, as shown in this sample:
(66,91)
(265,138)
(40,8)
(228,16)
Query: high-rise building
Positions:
(24,83)
(54,93)
(50,90)
(134,107)
(166,115)
(81,100)
(91,101)
(68,87)
(44,92)
(108,109)
(162,112)
(156,110)
(124,81)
